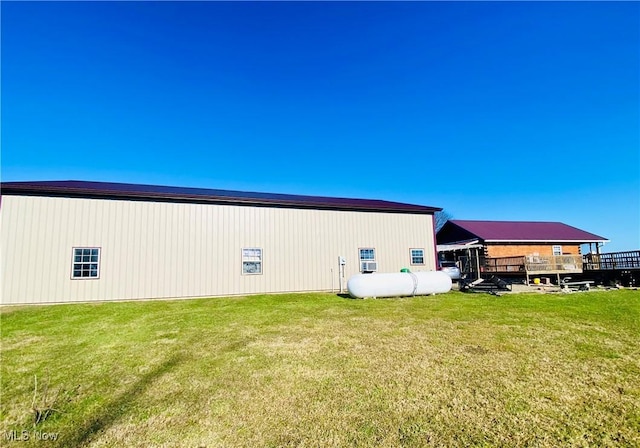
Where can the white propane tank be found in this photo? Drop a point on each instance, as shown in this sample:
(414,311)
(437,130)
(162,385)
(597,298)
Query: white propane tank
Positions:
(398,284)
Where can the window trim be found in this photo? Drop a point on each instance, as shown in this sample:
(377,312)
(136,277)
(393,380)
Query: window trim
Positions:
(553,250)
(361,260)
(74,263)
(411,256)
(244,258)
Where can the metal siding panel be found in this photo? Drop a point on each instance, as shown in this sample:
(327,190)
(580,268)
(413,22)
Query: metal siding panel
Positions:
(180,250)
(27,249)
(131,272)
(184,253)
(201,244)
(41,270)
(297,249)
(39,280)
(23,250)
(305,258)
(219,269)
(11,279)
(198,245)
(306,239)
(173,263)
(164,244)
(223,273)
(278,257)
(120,254)
(212,249)
(101,236)
(271,280)
(115,255)
(98,240)
(8,276)
(320,255)
(85,228)
(60,259)
(66,220)
(189,255)
(112,246)
(246,229)
(262,238)
(235,244)
(143,252)
(148,251)
(232,251)
(309,252)
(204,249)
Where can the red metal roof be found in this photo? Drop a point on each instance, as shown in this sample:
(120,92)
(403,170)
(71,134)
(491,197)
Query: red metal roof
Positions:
(526,231)
(110,190)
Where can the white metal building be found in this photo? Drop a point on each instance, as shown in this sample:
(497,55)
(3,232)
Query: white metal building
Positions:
(72,241)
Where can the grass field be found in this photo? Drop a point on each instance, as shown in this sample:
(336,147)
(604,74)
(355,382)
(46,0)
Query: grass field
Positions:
(321,370)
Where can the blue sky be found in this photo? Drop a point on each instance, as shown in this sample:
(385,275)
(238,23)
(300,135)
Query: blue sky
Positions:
(498,111)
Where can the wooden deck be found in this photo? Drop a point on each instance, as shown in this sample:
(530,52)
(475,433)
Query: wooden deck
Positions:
(615,267)
(612,261)
(535,265)
(558,264)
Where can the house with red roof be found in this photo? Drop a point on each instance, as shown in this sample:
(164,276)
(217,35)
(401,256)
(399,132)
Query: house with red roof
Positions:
(513,238)
(516,247)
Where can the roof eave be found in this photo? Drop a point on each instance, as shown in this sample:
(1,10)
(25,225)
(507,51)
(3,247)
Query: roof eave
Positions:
(33,190)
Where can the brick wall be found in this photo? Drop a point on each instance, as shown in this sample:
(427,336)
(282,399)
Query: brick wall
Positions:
(514,250)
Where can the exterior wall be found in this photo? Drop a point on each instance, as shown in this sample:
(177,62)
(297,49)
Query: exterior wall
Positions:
(495,250)
(170,250)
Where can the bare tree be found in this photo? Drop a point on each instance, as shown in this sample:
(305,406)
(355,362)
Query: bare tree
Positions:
(440,218)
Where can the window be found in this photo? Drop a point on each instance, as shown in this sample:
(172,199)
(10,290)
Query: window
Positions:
(557,250)
(367,260)
(86,263)
(252,261)
(417,256)
(367,254)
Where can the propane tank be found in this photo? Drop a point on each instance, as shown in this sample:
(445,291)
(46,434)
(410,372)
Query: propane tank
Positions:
(400,284)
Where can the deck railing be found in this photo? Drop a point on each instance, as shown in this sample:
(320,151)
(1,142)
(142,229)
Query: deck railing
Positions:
(553,263)
(534,263)
(612,261)
(504,264)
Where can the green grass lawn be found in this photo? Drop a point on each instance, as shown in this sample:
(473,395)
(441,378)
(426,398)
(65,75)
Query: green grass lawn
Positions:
(321,370)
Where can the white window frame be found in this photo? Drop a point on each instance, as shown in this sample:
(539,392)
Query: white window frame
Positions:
(85,260)
(556,250)
(362,259)
(252,256)
(415,256)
